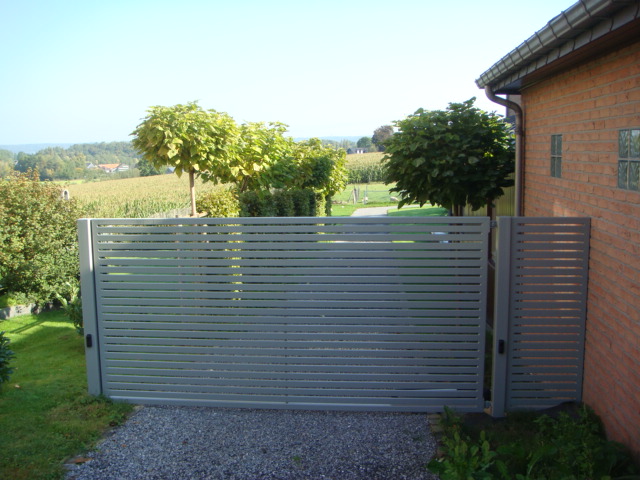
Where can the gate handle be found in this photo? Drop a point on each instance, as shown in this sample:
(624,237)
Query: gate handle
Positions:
(89,340)
(501,347)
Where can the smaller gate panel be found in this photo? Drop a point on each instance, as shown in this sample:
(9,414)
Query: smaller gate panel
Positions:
(375,313)
(542,280)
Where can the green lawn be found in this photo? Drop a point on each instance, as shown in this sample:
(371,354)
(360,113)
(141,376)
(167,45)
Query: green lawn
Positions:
(413,211)
(46,415)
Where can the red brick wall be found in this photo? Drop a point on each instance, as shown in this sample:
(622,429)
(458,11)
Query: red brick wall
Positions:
(588,105)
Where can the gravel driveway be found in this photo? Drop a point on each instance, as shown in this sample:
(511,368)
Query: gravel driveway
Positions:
(181,443)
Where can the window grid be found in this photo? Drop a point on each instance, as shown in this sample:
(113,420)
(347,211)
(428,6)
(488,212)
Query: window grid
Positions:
(556,156)
(629,159)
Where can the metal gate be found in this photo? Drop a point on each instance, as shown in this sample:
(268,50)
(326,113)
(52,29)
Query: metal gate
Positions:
(542,277)
(368,313)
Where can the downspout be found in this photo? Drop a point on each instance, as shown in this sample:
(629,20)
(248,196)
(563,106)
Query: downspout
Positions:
(519,130)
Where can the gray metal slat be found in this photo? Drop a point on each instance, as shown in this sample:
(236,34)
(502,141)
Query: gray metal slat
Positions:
(142,374)
(391,366)
(315,281)
(200,322)
(131,331)
(464,293)
(304,356)
(464,301)
(315,312)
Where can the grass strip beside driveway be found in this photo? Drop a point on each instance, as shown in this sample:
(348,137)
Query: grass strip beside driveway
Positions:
(46,415)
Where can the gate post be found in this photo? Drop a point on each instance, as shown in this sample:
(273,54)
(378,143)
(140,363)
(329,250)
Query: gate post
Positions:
(501,318)
(89,313)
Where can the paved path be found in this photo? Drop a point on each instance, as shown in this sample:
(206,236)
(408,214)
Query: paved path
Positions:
(371,211)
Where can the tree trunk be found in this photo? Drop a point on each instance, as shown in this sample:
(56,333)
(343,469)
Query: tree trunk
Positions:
(192,190)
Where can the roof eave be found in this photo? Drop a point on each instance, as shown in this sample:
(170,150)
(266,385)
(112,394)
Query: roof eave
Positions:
(573,29)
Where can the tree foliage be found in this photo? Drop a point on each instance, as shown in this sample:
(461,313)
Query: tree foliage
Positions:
(455,157)
(57,163)
(264,157)
(380,135)
(320,168)
(147,169)
(38,234)
(191,140)
(364,142)
(253,157)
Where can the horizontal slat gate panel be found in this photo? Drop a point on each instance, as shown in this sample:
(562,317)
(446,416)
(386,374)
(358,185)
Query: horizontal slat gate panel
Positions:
(549,273)
(379,313)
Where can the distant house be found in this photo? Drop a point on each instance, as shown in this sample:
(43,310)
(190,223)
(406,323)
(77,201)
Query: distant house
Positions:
(122,168)
(575,89)
(89,166)
(112,167)
(354,150)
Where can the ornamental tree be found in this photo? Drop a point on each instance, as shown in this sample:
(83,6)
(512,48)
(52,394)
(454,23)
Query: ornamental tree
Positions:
(320,168)
(191,140)
(454,157)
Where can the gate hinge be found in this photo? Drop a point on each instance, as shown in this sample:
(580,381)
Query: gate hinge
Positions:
(493,224)
(88,340)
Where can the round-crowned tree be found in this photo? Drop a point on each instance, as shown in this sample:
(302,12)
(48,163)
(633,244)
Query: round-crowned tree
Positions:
(454,157)
(191,140)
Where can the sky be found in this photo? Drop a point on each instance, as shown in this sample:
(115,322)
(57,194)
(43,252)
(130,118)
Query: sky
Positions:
(87,71)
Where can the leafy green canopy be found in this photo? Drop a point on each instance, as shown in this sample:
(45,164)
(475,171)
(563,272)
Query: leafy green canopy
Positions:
(263,159)
(252,156)
(188,138)
(39,254)
(455,157)
(319,167)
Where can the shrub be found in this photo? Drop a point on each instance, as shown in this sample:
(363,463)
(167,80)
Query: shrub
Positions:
(257,204)
(14,299)
(284,203)
(73,307)
(319,206)
(304,202)
(38,233)
(219,204)
(527,447)
(5,356)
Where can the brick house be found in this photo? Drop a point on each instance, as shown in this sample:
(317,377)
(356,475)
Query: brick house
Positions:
(575,88)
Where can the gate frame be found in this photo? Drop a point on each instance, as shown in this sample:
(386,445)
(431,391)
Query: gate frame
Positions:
(89,307)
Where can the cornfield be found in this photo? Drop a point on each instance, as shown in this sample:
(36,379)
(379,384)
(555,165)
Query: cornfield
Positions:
(365,168)
(139,197)
(168,195)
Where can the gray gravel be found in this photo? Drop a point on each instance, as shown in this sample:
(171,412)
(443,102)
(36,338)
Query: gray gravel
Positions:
(181,443)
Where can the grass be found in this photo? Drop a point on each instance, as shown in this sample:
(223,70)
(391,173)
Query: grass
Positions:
(46,415)
(377,196)
(426,211)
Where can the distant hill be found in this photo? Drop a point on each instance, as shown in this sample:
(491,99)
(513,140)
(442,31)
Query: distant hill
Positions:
(335,139)
(32,148)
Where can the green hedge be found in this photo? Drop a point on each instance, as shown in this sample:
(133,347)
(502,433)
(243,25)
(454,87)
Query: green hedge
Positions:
(283,203)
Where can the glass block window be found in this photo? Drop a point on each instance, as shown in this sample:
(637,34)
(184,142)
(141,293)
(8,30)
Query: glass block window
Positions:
(629,159)
(556,156)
